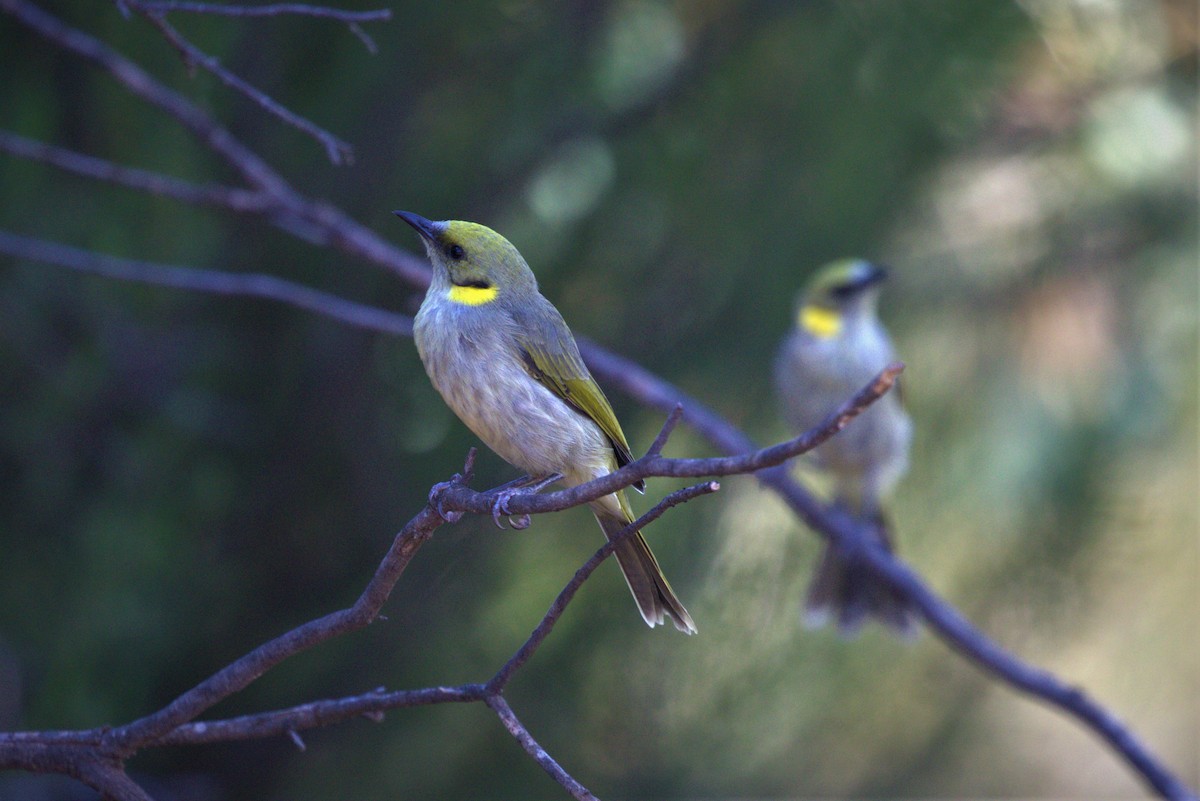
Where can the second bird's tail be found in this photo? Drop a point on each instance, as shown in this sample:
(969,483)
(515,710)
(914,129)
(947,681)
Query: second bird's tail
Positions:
(651,590)
(848,594)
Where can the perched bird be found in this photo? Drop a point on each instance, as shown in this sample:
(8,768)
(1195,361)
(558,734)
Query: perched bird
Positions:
(837,346)
(504,360)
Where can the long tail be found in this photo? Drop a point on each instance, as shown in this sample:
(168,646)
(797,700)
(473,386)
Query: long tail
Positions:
(849,593)
(651,590)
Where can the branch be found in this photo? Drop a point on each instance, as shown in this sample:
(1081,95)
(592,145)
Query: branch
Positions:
(255,285)
(350,18)
(152,183)
(95,756)
(518,730)
(460,498)
(338,151)
(767,463)
(326,225)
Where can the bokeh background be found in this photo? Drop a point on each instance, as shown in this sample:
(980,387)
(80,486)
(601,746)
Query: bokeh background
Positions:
(185,476)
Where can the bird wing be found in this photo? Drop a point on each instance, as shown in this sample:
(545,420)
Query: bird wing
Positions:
(552,358)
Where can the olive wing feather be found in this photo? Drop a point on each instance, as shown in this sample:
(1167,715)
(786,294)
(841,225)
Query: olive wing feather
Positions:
(552,358)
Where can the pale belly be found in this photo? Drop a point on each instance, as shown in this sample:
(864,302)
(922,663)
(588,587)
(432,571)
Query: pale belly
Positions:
(518,418)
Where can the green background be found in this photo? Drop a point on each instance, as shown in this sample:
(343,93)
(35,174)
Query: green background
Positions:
(183,476)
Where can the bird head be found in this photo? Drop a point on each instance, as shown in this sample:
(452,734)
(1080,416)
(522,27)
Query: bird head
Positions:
(841,291)
(474,263)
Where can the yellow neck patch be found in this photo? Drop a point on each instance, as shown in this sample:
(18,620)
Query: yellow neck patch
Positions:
(822,323)
(473,295)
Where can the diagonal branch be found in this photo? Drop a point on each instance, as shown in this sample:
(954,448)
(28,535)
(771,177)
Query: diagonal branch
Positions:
(152,183)
(127,739)
(461,498)
(255,285)
(548,763)
(338,151)
(324,224)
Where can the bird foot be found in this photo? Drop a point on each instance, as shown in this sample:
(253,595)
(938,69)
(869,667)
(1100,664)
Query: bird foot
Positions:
(435,498)
(505,493)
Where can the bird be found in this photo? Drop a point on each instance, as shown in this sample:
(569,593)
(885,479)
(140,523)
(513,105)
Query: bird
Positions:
(504,360)
(836,345)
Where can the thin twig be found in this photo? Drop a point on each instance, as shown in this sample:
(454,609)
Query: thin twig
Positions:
(125,740)
(548,763)
(668,427)
(316,714)
(153,183)
(352,19)
(269,10)
(255,285)
(325,223)
(338,151)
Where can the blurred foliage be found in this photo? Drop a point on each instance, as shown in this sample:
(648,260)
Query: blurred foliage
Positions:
(186,476)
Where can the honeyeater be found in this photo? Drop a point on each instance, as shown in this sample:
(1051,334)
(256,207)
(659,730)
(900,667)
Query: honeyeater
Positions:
(505,362)
(836,346)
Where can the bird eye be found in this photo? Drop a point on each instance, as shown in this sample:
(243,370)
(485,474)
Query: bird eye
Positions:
(455,252)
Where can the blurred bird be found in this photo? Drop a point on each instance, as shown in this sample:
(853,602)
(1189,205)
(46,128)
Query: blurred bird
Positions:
(504,360)
(837,346)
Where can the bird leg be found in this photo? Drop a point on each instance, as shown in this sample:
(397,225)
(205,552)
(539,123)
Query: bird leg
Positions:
(505,492)
(463,478)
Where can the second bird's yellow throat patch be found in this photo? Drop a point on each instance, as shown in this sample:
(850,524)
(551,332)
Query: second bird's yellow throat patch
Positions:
(473,295)
(820,322)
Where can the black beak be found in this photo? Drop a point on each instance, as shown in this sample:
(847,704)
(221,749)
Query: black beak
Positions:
(428,229)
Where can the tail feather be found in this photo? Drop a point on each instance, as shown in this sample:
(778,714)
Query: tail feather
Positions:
(850,594)
(655,599)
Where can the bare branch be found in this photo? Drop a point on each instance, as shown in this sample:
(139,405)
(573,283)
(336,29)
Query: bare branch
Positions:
(127,739)
(269,10)
(660,441)
(651,466)
(317,714)
(323,224)
(141,84)
(338,151)
(518,730)
(110,780)
(255,285)
(970,642)
(153,183)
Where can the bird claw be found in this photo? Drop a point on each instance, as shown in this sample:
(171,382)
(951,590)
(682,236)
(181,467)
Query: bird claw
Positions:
(435,499)
(528,484)
(500,509)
